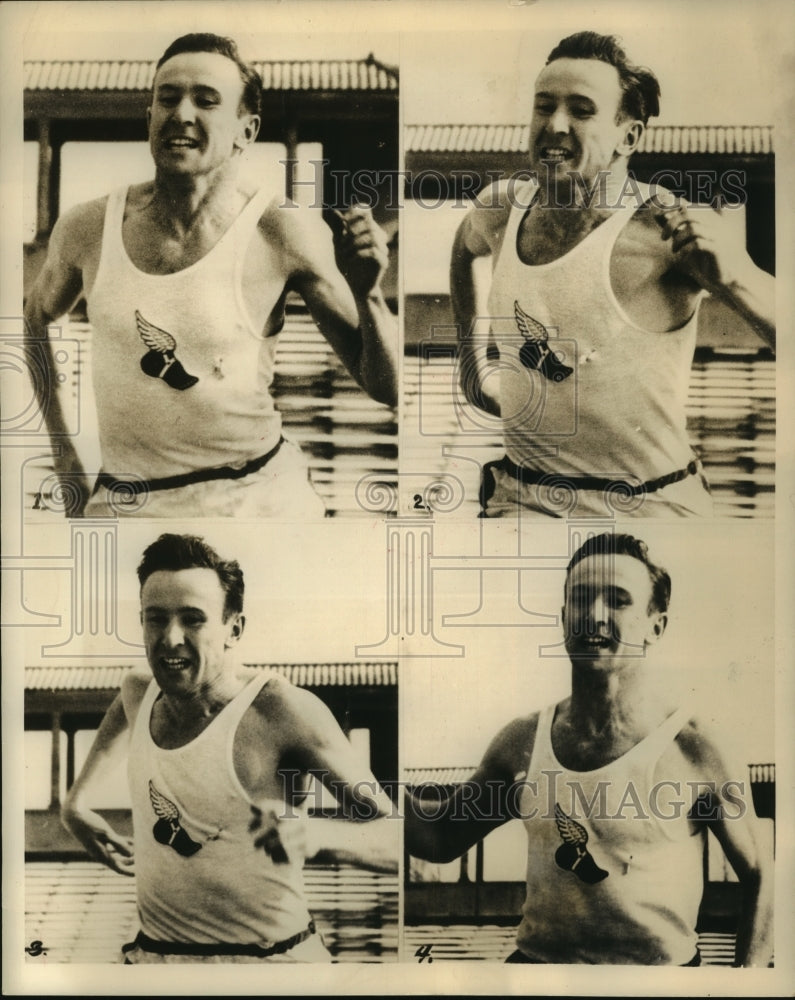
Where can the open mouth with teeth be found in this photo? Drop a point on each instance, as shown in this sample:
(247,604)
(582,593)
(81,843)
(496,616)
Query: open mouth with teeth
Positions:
(555,154)
(592,643)
(175,663)
(181,142)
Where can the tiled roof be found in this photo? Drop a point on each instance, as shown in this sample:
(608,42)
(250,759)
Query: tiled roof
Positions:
(103,678)
(467,138)
(306,74)
(438,775)
(338,674)
(69,678)
(744,139)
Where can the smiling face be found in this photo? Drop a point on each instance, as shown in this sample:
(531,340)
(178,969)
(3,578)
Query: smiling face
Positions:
(573,128)
(607,616)
(196,122)
(185,633)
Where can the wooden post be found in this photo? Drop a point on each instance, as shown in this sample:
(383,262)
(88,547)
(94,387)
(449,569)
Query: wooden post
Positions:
(49,175)
(55,758)
(291,144)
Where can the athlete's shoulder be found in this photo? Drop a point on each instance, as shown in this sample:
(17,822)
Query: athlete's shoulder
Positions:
(287,218)
(705,746)
(133,688)
(506,193)
(484,225)
(297,232)
(79,229)
(509,752)
(280,700)
(492,204)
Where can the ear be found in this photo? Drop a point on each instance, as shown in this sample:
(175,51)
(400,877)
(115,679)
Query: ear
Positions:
(633,130)
(236,625)
(249,129)
(658,623)
(148,118)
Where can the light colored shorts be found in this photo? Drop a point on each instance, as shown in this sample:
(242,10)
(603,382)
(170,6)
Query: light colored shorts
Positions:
(281,489)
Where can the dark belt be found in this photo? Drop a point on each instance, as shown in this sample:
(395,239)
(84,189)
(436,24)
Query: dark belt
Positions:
(519,958)
(531,477)
(221,948)
(135,486)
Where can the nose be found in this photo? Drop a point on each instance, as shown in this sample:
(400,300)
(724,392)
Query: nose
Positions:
(184,110)
(592,614)
(559,121)
(173,634)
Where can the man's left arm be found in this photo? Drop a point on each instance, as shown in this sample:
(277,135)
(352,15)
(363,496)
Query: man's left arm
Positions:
(711,252)
(728,811)
(338,273)
(368,835)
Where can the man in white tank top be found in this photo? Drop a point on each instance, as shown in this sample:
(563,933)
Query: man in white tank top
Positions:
(583,346)
(616,786)
(218,759)
(186,279)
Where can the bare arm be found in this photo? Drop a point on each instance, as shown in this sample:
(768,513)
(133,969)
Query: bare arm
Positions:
(729,813)
(709,250)
(468,296)
(107,752)
(54,292)
(443,829)
(368,836)
(339,279)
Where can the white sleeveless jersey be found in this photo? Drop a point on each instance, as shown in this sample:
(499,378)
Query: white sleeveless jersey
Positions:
(181,371)
(614,873)
(584,391)
(199,877)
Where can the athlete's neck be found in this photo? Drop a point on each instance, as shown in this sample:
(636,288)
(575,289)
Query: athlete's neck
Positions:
(621,703)
(206,700)
(596,196)
(183,201)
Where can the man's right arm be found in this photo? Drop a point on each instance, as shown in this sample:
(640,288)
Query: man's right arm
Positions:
(475,238)
(107,752)
(442,829)
(54,293)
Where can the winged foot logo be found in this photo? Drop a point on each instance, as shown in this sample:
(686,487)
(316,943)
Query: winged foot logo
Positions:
(168,829)
(160,360)
(573,855)
(535,353)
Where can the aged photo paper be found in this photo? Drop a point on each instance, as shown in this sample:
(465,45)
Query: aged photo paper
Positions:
(415,629)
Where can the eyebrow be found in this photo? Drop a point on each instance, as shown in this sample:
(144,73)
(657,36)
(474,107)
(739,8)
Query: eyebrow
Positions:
(183,610)
(548,95)
(611,588)
(173,88)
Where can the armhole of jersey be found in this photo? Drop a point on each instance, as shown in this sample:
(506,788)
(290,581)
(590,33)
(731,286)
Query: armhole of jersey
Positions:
(516,215)
(144,710)
(247,698)
(665,737)
(542,743)
(244,222)
(111,235)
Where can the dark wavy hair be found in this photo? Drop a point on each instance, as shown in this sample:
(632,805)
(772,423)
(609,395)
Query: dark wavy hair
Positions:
(628,545)
(175,552)
(205,41)
(640,88)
